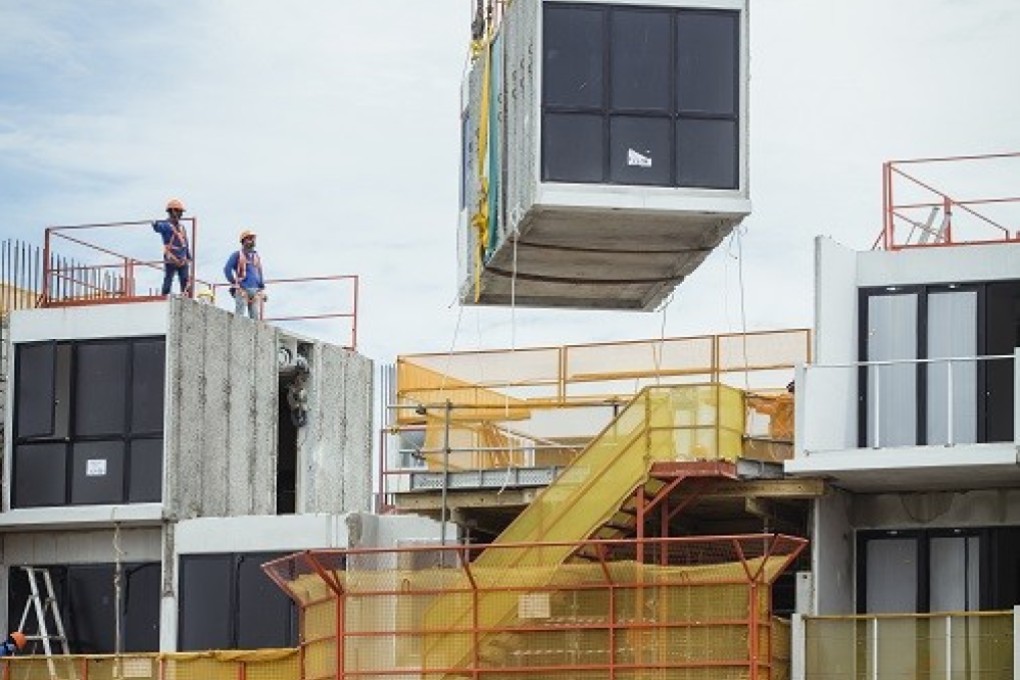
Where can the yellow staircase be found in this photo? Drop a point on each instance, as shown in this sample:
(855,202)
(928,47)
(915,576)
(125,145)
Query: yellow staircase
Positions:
(661,424)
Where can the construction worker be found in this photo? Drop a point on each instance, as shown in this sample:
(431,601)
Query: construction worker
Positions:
(244,273)
(15,641)
(176,253)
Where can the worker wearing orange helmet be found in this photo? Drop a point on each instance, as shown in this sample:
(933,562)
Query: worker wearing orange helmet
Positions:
(244,273)
(15,641)
(176,253)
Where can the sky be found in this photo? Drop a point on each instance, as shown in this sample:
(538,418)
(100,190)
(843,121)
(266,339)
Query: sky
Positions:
(331,128)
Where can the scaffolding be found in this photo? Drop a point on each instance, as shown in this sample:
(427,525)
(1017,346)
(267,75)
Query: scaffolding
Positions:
(664,608)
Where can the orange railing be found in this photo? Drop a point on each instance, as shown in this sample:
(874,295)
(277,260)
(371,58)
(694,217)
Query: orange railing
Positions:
(920,211)
(96,264)
(335,299)
(540,406)
(691,607)
(96,271)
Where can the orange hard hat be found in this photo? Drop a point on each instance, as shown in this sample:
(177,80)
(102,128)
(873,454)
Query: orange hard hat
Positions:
(247,234)
(174,204)
(19,639)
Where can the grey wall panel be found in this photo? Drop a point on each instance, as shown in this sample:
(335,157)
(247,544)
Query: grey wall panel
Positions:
(334,448)
(260,478)
(221,428)
(521,126)
(224,385)
(82,547)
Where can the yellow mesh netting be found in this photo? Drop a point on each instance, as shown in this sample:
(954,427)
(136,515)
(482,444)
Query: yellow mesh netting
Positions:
(685,621)
(262,664)
(910,646)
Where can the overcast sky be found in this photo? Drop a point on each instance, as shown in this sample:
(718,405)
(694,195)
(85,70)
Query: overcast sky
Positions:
(331,128)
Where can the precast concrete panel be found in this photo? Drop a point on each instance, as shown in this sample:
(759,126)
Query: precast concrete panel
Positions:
(220,448)
(334,448)
(832,554)
(921,266)
(938,509)
(82,547)
(522,114)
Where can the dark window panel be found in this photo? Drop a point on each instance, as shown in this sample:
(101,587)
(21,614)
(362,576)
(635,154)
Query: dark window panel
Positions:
(707,62)
(62,421)
(101,388)
(265,615)
(141,602)
(572,147)
(640,49)
(145,479)
(707,154)
(18,593)
(205,608)
(85,595)
(147,381)
(97,473)
(572,56)
(35,393)
(40,475)
(640,150)
(90,608)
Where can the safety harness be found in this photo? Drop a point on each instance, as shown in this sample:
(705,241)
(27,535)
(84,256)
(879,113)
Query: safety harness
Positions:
(178,241)
(242,266)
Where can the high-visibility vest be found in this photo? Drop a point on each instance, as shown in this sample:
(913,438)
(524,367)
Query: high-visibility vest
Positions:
(178,241)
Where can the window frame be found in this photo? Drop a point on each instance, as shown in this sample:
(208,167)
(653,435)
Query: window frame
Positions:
(69,439)
(674,114)
(923,291)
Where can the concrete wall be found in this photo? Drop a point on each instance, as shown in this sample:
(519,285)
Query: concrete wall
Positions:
(938,509)
(832,554)
(958,264)
(827,410)
(522,82)
(335,447)
(221,421)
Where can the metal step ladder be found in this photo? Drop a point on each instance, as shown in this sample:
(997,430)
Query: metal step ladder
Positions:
(42,601)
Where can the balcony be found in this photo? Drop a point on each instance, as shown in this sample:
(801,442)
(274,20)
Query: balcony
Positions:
(922,646)
(918,424)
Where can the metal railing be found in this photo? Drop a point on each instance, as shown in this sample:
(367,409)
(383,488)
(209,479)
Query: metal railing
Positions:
(883,394)
(91,264)
(97,272)
(661,607)
(918,214)
(879,646)
(541,406)
(311,301)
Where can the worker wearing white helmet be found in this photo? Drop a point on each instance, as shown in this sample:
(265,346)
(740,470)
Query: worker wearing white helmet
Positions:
(176,253)
(244,273)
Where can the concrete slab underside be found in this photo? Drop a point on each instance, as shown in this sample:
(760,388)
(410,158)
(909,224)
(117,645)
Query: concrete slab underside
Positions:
(599,259)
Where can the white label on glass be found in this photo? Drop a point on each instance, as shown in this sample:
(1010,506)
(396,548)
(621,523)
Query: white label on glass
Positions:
(95,467)
(636,159)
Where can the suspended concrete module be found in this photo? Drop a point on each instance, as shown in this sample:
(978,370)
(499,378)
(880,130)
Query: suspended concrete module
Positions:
(604,151)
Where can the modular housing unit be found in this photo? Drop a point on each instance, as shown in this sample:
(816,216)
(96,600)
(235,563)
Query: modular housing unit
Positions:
(910,411)
(605,150)
(158,453)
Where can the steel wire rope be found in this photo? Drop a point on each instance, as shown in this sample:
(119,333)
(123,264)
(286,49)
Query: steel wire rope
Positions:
(513,349)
